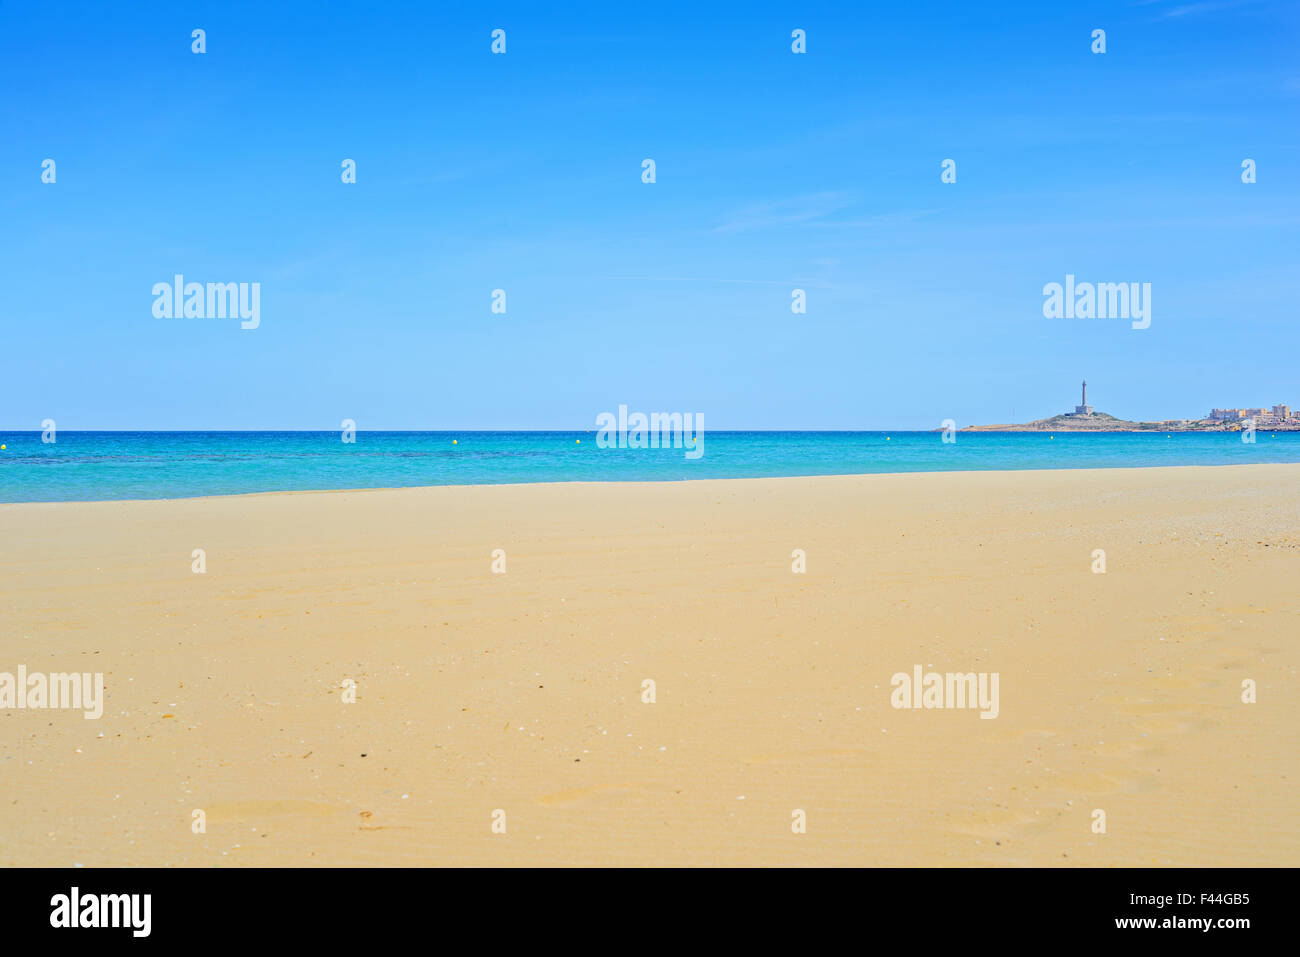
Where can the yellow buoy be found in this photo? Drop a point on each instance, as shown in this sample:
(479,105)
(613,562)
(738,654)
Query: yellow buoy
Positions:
(453,442)
(3,447)
(577,441)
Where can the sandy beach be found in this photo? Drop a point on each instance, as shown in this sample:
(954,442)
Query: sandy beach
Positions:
(523,692)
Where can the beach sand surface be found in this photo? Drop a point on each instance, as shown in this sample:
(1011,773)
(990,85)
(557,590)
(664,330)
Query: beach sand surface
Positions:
(523,692)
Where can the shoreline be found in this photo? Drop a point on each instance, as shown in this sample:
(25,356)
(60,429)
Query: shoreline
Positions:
(651,482)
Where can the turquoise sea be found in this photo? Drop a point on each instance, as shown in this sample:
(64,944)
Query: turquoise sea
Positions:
(89,466)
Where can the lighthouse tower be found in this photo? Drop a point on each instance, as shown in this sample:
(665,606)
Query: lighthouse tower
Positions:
(1085,408)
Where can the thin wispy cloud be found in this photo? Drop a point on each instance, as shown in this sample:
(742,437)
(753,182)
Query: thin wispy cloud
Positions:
(786,212)
(756,282)
(900,218)
(1200,7)
(718,279)
(819,209)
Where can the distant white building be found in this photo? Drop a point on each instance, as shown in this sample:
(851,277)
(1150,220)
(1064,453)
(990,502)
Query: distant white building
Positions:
(1227,415)
(1277,414)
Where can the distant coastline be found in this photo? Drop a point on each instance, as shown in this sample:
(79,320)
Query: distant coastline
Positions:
(1101,422)
(1278,418)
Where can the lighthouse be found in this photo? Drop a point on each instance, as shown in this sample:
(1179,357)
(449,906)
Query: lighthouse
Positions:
(1084,408)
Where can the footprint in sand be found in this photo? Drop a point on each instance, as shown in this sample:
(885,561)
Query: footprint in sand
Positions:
(812,754)
(576,795)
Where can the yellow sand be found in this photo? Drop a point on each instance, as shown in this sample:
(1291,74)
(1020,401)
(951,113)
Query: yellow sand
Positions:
(522,692)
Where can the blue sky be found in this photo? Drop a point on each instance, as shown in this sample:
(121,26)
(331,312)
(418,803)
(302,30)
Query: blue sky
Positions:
(523,172)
